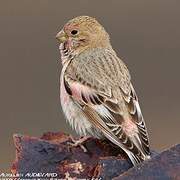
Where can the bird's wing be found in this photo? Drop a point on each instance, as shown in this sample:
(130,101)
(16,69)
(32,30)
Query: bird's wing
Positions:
(100,83)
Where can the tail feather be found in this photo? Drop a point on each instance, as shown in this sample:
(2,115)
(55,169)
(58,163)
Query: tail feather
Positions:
(136,159)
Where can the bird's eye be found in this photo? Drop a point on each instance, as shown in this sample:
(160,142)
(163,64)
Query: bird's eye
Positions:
(74,32)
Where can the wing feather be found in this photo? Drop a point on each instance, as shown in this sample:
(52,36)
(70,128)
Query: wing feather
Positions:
(108,100)
(119,141)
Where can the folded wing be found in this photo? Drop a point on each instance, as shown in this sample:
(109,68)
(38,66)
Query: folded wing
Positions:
(100,84)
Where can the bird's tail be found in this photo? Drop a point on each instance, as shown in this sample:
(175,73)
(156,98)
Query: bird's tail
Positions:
(136,159)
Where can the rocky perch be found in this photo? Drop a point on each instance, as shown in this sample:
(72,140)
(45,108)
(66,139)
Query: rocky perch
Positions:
(53,155)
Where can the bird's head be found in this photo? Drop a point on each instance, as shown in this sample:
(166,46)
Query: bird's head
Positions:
(83,33)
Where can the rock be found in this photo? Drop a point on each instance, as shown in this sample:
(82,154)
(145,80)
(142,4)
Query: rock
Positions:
(165,166)
(109,167)
(53,156)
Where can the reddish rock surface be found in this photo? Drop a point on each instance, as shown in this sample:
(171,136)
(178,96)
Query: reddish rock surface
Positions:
(52,153)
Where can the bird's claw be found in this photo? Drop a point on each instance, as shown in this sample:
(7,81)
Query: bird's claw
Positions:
(78,142)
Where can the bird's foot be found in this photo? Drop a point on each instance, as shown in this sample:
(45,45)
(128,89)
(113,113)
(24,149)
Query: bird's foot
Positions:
(78,142)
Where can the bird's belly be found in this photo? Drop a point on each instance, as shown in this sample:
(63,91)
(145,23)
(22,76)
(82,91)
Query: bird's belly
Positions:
(75,116)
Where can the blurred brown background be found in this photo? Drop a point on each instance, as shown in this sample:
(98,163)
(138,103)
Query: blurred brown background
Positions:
(146,34)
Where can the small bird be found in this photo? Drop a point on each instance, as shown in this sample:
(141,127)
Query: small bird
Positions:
(96,92)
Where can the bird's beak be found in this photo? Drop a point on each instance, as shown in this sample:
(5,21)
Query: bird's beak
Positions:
(61,36)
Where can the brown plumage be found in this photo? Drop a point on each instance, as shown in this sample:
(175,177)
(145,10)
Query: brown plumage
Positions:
(97,96)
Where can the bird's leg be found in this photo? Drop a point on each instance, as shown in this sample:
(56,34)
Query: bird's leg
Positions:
(79,142)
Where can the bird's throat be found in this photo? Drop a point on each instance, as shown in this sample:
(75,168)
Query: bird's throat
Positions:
(65,51)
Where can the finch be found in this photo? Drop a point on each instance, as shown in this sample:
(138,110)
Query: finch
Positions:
(96,92)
